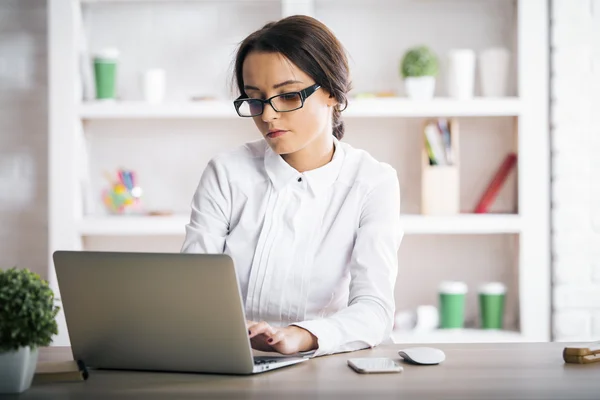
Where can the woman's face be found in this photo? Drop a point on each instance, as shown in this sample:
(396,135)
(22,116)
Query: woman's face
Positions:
(270,74)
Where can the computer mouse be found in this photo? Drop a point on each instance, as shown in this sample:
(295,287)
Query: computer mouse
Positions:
(422,355)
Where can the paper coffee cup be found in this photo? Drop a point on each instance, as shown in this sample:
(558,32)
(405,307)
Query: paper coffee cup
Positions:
(105,71)
(153,83)
(461,73)
(452,295)
(494,64)
(491,305)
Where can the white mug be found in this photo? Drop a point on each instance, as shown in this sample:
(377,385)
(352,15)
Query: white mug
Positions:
(461,73)
(153,83)
(494,65)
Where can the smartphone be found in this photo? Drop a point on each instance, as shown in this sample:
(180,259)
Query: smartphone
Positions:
(374,365)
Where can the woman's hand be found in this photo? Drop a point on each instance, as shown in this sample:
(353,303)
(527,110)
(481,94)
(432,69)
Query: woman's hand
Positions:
(288,340)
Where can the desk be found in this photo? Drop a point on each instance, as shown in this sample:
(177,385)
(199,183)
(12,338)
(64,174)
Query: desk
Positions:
(471,371)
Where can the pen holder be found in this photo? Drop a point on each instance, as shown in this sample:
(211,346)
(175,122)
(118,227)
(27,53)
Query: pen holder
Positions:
(440,183)
(122,196)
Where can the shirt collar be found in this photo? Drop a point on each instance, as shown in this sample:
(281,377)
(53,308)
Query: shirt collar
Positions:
(281,173)
(322,178)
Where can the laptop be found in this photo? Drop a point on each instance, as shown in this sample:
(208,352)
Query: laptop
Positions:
(158,312)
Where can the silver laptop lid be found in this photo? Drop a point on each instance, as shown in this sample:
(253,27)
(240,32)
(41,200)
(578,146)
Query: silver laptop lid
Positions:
(154,311)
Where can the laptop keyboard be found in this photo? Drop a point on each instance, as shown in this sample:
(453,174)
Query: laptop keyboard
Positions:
(265,360)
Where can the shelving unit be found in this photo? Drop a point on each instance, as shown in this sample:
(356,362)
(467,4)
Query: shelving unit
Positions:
(73,122)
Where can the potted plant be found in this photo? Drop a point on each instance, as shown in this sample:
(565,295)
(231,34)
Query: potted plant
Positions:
(419,68)
(27,321)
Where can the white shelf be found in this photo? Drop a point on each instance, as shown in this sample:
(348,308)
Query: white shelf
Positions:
(133,225)
(361,108)
(438,107)
(130,109)
(457,336)
(413,224)
(163,1)
(462,224)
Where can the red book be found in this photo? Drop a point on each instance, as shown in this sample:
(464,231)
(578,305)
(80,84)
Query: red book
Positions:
(495,185)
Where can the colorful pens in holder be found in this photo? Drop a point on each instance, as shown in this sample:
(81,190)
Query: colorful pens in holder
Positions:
(123,196)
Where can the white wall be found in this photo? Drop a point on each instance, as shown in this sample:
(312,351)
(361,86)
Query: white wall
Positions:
(23,135)
(576,165)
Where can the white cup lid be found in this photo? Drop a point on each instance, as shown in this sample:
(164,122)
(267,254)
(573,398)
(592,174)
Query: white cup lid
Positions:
(453,287)
(108,53)
(492,288)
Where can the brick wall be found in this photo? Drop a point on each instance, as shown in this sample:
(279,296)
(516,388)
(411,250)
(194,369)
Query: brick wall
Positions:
(575,87)
(23,135)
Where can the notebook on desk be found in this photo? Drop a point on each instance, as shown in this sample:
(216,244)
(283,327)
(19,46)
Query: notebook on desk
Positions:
(157,312)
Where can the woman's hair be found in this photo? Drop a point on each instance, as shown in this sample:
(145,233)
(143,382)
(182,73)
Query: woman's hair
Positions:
(311,46)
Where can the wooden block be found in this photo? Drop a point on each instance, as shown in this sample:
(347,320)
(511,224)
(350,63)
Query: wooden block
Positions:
(583,354)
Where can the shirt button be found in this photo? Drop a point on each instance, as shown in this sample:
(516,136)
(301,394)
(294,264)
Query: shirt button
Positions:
(299,179)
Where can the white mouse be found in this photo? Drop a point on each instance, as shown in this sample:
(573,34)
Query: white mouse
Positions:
(422,355)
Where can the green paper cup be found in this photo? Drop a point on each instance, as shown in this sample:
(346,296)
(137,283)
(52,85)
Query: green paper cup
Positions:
(491,305)
(452,304)
(105,72)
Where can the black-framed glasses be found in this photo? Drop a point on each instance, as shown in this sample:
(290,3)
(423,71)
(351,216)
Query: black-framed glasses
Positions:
(285,102)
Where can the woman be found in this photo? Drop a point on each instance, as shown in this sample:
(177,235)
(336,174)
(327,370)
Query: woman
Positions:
(311,223)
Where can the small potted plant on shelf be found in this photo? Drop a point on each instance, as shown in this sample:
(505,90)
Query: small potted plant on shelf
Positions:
(419,68)
(27,321)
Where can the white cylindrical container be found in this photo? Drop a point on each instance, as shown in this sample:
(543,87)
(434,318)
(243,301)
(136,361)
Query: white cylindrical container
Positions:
(461,73)
(153,84)
(494,64)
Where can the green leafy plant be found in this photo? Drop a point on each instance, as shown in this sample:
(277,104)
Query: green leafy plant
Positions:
(419,61)
(27,310)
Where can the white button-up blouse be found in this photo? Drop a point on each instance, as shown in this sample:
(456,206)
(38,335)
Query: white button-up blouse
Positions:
(316,249)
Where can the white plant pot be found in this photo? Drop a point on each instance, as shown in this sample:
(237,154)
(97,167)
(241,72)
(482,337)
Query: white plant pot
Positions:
(420,88)
(17,369)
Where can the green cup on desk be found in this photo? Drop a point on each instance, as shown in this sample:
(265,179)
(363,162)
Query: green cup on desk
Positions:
(491,305)
(105,72)
(452,297)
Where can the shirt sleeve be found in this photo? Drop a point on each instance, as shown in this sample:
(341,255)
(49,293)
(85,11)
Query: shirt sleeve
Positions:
(368,319)
(211,213)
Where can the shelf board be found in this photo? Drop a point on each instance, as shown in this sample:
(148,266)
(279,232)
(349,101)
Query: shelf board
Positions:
(357,108)
(164,1)
(437,107)
(141,110)
(133,225)
(412,224)
(461,224)
(457,336)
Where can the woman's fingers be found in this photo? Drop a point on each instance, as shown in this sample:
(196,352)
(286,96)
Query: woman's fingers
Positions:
(276,338)
(261,328)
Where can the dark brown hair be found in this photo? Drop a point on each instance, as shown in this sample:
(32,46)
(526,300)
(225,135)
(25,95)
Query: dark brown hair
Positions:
(310,45)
